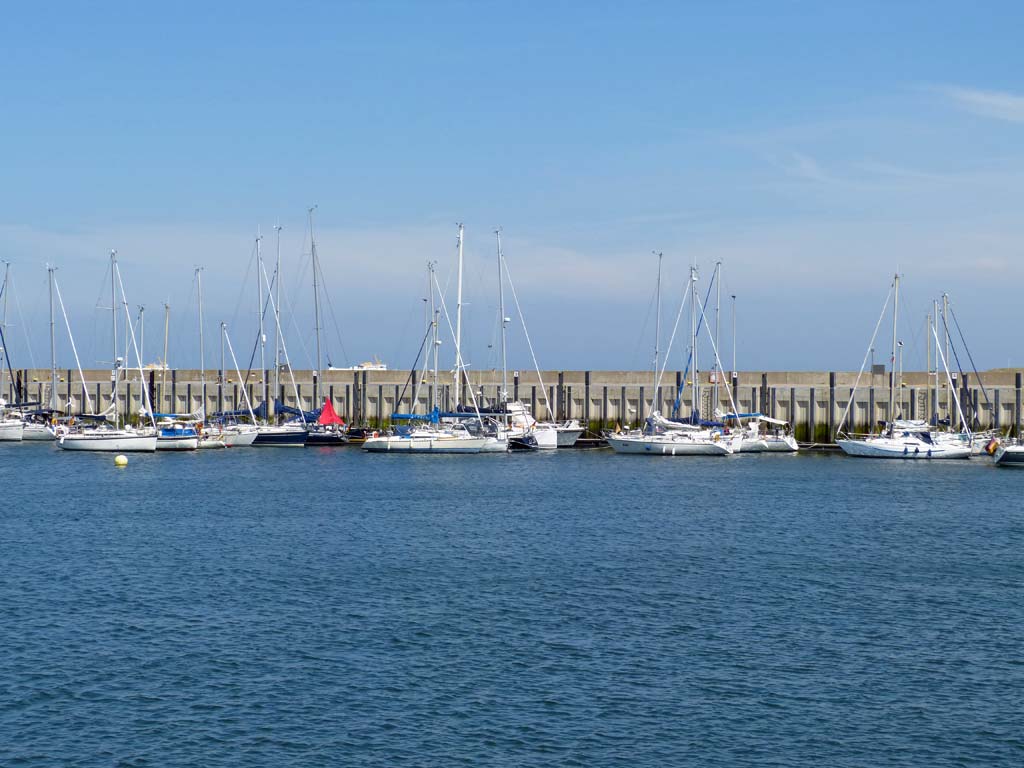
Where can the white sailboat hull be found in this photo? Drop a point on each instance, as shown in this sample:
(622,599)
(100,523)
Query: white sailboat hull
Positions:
(440,444)
(902,448)
(495,445)
(239,437)
(787,444)
(658,445)
(177,443)
(753,445)
(37,432)
(212,441)
(12,430)
(116,441)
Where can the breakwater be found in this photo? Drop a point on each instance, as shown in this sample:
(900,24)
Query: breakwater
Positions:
(813,402)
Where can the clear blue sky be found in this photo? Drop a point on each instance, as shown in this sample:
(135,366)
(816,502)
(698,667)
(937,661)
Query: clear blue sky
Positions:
(812,147)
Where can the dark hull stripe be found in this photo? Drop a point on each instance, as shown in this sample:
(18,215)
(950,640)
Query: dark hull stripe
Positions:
(320,439)
(297,438)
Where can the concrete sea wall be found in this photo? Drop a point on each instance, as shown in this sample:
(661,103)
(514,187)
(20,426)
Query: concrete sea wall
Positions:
(813,402)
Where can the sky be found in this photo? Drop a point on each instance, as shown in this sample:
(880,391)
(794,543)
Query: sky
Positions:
(814,149)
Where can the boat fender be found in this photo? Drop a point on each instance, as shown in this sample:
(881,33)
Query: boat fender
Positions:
(905,450)
(375,433)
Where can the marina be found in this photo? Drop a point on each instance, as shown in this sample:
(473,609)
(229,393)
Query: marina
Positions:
(812,402)
(512,385)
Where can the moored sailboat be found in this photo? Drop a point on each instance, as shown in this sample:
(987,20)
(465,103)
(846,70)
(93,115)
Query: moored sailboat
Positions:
(102,437)
(669,437)
(900,439)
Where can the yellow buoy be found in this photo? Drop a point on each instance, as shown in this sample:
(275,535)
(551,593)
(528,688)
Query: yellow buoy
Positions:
(121,460)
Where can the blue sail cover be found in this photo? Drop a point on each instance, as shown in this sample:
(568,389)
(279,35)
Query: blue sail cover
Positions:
(280,407)
(433,417)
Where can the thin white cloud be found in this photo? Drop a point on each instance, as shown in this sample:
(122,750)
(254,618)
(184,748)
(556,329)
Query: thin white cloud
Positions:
(800,166)
(999,105)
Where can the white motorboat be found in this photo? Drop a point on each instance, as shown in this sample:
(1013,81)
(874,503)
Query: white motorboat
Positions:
(521,429)
(1008,454)
(568,433)
(546,435)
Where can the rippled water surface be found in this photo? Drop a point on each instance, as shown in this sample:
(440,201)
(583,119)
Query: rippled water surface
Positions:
(282,607)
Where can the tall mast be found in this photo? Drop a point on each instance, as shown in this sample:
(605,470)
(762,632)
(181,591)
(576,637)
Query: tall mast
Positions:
(734,334)
(5,358)
(435,317)
(945,330)
(163,371)
(892,370)
(945,321)
(53,346)
(223,376)
(113,310)
(693,339)
(458,324)
(421,377)
(935,325)
(202,348)
(277,316)
(259,314)
(718,326)
(501,313)
(899,385)
(316,306)
(657,331)
(928,353)
(142,332)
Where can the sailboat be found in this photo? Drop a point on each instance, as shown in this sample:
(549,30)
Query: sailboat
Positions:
(764,434)
(900,438)
(225,426)
(425,433)
(543,435)
(17,422)
(40,424)
(290,435)
(669,437)
(116,438)
(328,429)
(513,426)
(12,428)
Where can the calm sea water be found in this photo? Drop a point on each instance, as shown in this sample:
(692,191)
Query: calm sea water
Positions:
(328,607)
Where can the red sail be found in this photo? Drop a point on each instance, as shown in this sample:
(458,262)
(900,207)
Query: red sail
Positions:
(329,416)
